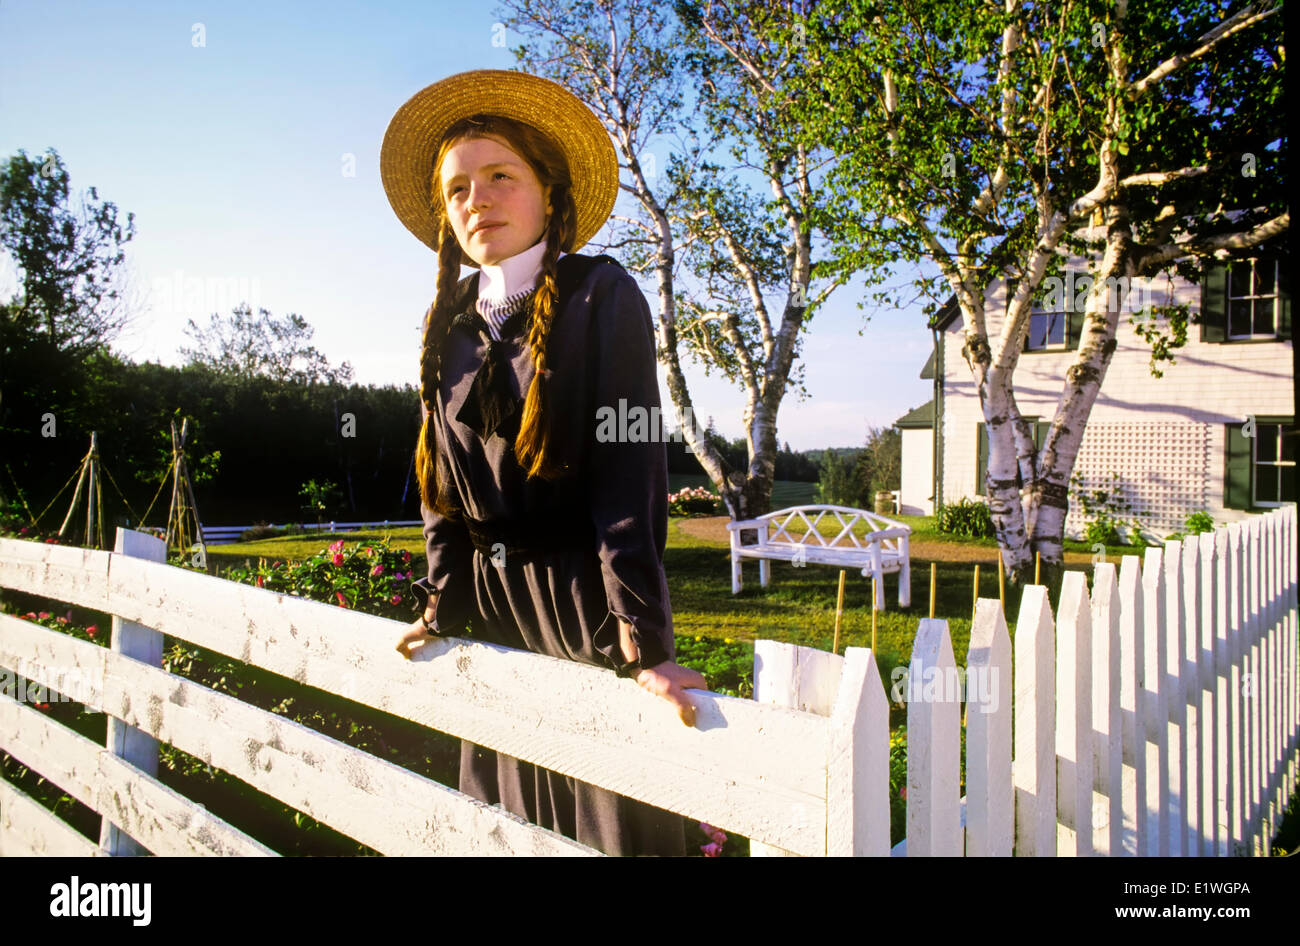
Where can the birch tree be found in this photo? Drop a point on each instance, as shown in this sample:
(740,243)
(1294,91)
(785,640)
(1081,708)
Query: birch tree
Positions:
(990,138)
(634,63)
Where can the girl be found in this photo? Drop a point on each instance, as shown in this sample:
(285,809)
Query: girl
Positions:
(540,535)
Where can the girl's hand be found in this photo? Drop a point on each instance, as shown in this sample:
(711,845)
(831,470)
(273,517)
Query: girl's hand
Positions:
(667,679)
(416,633)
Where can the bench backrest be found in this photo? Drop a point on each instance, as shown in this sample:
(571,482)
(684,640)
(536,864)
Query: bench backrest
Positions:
(838,522)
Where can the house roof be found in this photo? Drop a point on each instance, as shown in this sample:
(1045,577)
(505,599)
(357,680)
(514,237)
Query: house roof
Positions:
(920,417)
(927,370)
(947,314)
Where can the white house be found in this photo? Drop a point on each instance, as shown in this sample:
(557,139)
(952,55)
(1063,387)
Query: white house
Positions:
(1216,433)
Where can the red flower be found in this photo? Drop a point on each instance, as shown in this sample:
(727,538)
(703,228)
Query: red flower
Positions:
(406,556)
(376,571)
(902,793)
(342,600)
(338,558)
(397,599)
(30,616)
(51,541)
(261,582)
(41,706)
(92,629)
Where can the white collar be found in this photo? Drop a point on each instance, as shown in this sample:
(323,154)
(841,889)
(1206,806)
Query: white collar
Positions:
(513,274)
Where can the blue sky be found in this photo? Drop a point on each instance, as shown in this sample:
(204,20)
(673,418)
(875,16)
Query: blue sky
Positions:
(233,155)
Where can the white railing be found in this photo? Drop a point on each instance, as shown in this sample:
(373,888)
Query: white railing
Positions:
(1156,715)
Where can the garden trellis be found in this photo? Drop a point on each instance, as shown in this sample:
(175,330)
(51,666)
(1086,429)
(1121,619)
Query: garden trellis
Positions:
(1155,713)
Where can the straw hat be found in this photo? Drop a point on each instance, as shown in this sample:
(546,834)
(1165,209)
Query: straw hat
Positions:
(411,143)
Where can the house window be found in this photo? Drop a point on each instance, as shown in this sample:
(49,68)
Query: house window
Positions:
(1260,468)
(1274,464)
(1246,300)
(1252,299)
(1046,330)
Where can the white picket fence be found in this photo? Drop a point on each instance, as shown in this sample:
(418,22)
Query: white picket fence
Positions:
(1192,658)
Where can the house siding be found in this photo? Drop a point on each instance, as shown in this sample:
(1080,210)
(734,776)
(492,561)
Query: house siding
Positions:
(1163,436)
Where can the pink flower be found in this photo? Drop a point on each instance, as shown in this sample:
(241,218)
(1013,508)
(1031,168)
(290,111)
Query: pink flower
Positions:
(43,615)
(338,558)
(62,619)
(30,616)
(376,571)
(92,629)
(342,600)
(397,599)
(337,546)
(711,850)
(719,837)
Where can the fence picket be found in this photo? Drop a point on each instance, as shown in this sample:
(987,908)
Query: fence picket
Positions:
(1074,745)
(857,802)
(1156,652)
(1176,696)
(1133,702)
(933,721)
(990,797)
(1191,683)
(1108,746)
(1207,662)
(1034,717)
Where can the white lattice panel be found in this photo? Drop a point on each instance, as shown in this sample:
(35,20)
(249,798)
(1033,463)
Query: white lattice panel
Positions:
(1164,468)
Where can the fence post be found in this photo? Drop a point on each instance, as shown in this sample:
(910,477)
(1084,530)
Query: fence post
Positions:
(990,797)
(801,678)
(857,772)
(1035,726)
(143,644)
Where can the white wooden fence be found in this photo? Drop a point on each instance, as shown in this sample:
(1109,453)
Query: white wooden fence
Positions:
(1158,715)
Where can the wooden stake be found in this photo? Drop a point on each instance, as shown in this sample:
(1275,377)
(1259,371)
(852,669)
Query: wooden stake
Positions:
(1002,582)
(839,610)
(873,616)
(975,596)
(1038,567)
(933,568)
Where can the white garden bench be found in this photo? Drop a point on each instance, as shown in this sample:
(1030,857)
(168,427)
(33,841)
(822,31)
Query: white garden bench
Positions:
(882,551)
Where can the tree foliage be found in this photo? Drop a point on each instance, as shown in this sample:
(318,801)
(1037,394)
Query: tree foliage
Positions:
(247,347)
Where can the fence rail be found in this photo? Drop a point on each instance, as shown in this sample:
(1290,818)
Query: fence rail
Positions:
(1155,714)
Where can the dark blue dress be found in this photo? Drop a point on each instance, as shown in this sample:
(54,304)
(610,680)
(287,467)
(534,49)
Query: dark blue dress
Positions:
(579,552)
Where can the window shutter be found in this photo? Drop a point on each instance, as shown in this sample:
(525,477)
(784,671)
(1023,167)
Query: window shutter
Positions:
(1073,328)
(1236,474)
(1214,302)
(981,457)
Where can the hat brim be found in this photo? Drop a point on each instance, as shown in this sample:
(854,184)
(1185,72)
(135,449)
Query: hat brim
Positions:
(411,143)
